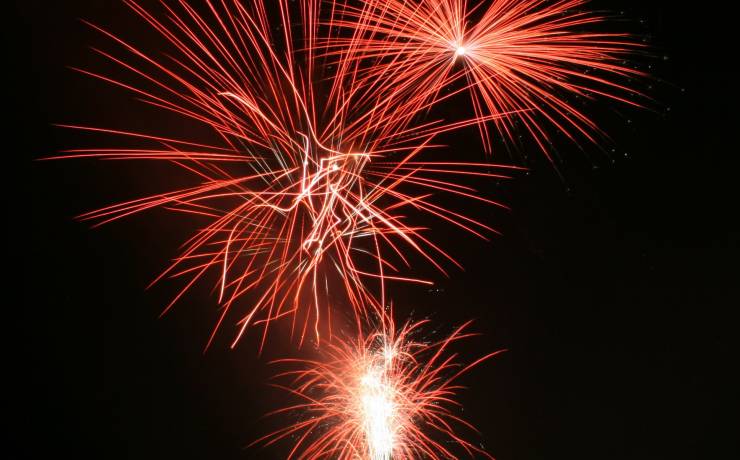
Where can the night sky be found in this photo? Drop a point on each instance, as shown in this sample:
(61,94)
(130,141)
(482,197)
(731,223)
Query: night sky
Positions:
(613,286)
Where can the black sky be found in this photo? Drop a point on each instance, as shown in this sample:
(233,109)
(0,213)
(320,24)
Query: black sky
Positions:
(613,287)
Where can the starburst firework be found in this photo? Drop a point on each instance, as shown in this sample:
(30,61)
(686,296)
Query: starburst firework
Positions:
(526,58)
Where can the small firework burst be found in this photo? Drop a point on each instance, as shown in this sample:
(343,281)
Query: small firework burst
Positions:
(380,396)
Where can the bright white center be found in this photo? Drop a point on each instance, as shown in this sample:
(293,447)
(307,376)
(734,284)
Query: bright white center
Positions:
(378,411)
(460,51)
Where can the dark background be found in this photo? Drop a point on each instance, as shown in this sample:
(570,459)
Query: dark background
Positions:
(613,287)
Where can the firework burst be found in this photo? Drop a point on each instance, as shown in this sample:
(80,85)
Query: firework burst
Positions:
(314,163)
(530,59)
(380,396)
(305,187)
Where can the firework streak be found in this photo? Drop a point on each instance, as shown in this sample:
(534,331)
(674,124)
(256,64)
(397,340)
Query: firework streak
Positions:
(320,114)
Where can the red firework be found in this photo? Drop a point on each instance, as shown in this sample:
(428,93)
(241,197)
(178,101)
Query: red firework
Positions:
(378,397)
(525,58)
(305,188)
(316,160)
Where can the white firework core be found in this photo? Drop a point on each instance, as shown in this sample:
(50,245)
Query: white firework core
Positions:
(378,407)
